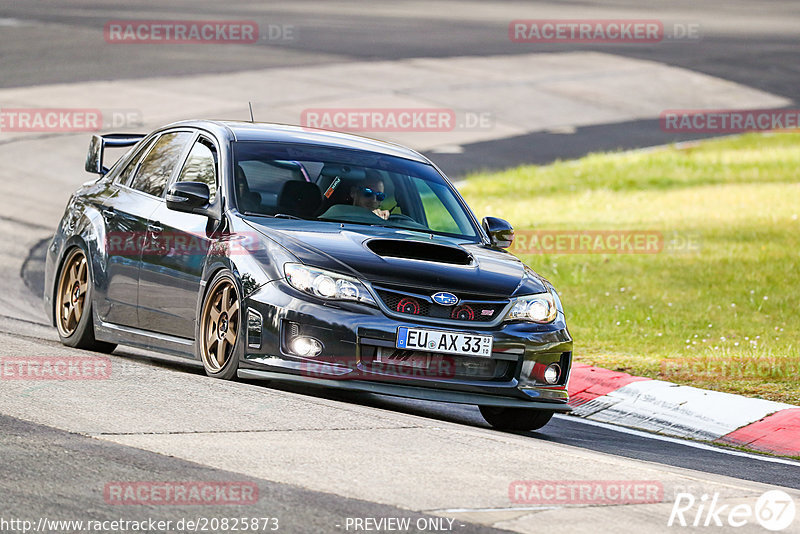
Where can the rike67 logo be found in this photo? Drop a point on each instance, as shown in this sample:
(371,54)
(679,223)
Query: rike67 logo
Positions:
(774,510)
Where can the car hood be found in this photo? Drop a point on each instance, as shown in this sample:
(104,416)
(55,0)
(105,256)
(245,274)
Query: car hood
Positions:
(400,257)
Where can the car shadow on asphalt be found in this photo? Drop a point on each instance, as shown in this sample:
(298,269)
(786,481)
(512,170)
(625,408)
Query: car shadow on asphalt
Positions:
(462,414)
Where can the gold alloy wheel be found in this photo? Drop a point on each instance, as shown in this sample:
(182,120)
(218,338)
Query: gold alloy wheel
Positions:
(72,289)
(220,325)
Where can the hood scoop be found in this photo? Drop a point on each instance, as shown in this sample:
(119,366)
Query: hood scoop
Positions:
(419,250)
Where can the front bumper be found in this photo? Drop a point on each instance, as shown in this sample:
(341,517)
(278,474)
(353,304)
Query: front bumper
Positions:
(358,341)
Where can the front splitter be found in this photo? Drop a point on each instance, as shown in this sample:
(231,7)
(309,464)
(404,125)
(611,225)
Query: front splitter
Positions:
(412,392)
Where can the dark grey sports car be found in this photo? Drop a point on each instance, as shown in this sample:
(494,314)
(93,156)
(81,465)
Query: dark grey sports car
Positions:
(284,253)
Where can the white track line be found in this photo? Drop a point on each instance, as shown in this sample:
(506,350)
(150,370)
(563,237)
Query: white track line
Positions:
(679,441)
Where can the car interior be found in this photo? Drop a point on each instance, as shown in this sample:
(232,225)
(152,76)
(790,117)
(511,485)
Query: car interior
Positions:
(304,190)
(323,190)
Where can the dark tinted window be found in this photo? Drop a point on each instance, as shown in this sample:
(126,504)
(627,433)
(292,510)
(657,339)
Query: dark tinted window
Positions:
(157,166)
(201,166)
(125,175)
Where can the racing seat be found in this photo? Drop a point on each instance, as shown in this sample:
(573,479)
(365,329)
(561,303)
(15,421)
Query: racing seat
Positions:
(248,200)
(300,199)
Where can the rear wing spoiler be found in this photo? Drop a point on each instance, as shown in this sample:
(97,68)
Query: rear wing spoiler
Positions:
(94,159)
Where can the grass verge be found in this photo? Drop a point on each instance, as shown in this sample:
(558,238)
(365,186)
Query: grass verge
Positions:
(718,306)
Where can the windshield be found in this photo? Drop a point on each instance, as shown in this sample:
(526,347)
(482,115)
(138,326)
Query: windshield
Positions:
(342,185)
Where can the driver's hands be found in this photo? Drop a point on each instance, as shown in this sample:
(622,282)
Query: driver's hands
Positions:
(383,214)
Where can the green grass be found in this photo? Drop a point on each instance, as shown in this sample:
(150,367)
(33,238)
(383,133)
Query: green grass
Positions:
(733,297)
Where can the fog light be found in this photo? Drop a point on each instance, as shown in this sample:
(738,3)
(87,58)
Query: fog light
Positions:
(552,373)
(307,347)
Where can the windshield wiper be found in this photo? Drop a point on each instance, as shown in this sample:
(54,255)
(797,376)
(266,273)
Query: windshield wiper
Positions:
(276,216)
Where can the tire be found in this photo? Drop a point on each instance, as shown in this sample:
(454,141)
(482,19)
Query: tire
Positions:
(515,418)
(219,327)
(73,304)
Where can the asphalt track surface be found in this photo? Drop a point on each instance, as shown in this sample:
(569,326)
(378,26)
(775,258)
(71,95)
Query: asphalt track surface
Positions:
(51,472)
(80,467)
(751,43)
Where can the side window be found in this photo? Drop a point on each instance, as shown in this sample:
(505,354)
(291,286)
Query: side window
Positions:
(124,176)
(157,166)
(201,166)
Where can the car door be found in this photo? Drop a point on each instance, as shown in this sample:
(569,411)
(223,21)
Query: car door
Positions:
(124,219)
(147,191)
(169,281)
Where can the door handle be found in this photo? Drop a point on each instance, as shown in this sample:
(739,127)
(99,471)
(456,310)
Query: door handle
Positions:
(109,214)
(154,229)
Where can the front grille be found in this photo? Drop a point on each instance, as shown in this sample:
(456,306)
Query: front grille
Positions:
(395,362)
(398,302)
(469,310)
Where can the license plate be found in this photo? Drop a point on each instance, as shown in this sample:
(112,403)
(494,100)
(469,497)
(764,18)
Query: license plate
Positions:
(444,342)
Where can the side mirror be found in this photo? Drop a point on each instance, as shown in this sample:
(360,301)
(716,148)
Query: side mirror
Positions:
(94,158)
(500,231)
(189,197)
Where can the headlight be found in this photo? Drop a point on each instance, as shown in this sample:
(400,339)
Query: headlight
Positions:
(539,308)
(325,284)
